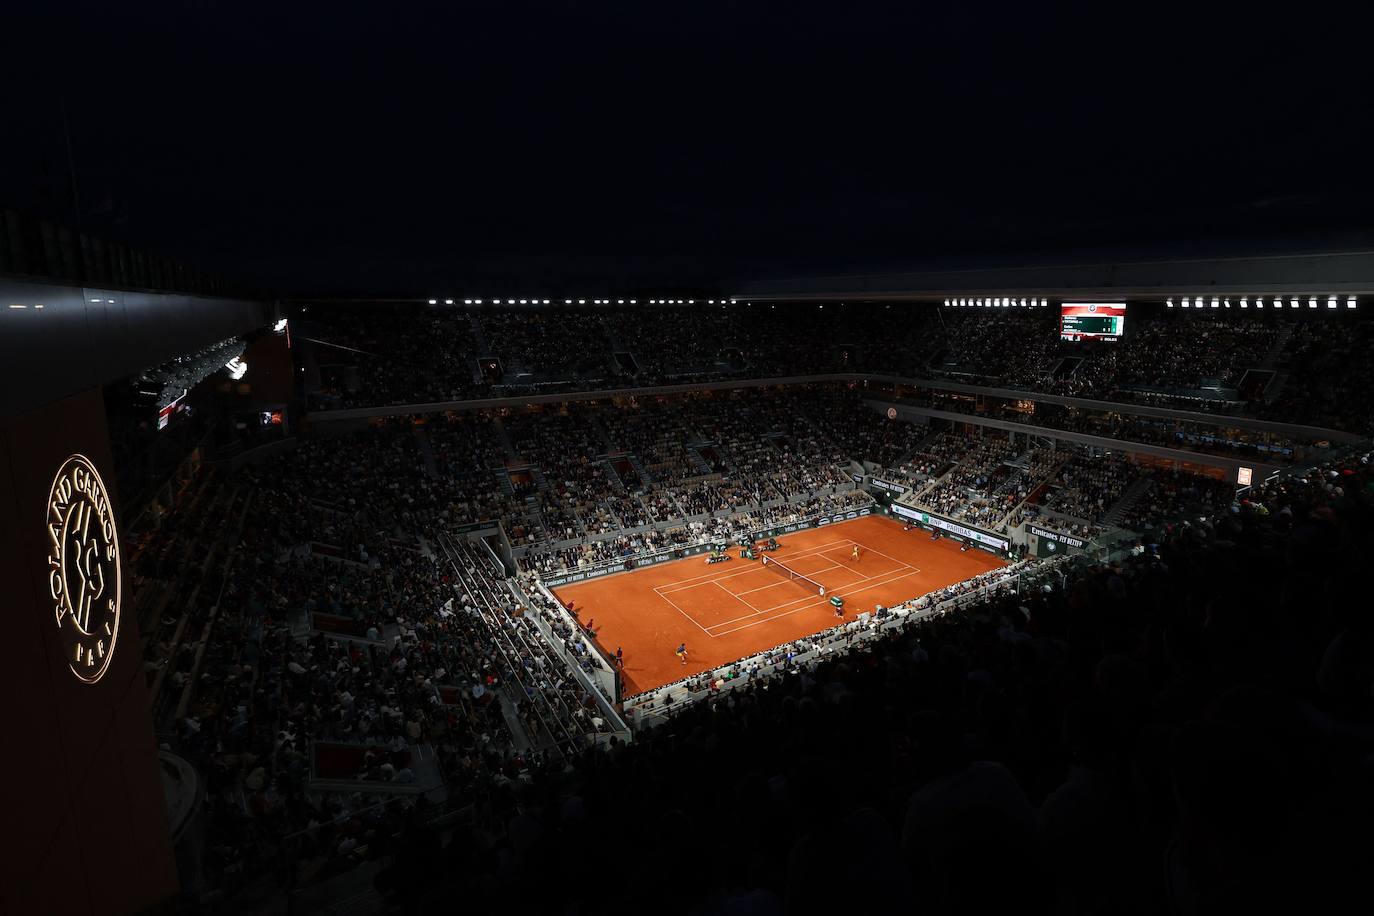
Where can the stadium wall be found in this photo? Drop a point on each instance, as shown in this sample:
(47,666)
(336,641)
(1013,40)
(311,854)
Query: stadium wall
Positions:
(86,814)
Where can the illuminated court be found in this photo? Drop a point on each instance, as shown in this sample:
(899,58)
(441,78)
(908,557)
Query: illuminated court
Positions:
(727,611)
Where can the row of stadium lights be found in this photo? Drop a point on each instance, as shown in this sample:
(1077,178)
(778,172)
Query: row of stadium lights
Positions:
(583,301)
(1294,302)
(1197,302)
(997,303)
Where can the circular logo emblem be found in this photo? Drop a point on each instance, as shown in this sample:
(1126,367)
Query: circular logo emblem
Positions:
(83,567)
(1092,307)
(892,413)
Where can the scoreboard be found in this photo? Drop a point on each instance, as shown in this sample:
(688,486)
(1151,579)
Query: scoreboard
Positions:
(1092,320)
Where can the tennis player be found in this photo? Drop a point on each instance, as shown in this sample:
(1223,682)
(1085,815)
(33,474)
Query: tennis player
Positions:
(854,554)
(682,652)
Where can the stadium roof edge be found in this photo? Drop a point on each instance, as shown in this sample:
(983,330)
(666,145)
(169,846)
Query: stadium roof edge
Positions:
(1345,272)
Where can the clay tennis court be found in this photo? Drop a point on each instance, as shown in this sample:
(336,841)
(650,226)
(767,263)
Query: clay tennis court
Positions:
(726,611)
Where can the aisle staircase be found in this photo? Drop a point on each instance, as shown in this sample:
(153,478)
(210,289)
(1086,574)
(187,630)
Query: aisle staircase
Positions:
(612,477)
(1271,359)
(644,475)
(699,465)
(426,451)
(1128,499)
(479,335)
(504,435)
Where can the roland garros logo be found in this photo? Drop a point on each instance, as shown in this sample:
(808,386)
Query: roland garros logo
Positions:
(83,568)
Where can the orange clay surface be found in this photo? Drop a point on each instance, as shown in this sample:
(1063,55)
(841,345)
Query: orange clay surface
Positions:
(727,611)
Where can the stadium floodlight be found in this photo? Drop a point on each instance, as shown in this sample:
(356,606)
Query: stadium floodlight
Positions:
(1023,303)
(567,302)
(1259,302)
(1226,302)
(1350,302)
(1187,302)
(478,301)
(1170,302)
(434,302)
(1214,302)
(278,327)
(1311,302)
(1293,302)
(1244,303)
(581,301)
(448,302)
(237,368)
(1330,302)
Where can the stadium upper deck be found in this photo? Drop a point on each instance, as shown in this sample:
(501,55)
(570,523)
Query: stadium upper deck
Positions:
(1296,365)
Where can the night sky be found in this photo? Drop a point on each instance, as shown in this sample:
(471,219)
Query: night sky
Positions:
(481,148)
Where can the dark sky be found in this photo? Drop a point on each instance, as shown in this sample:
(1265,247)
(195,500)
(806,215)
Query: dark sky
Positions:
(461,147)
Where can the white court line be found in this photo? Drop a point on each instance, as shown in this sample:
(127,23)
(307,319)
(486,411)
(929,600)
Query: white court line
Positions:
(683,613)
(752,590)
(810,551)
(890,575)
(867,582)
(867,549)
(881,554)
(871,583)
(747,604)
(779,582)
(803,608)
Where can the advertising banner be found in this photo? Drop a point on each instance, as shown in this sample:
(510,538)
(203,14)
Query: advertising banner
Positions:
(981,538)
(1056,537)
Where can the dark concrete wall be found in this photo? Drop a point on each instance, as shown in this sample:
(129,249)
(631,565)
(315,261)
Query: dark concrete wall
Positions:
(85,824)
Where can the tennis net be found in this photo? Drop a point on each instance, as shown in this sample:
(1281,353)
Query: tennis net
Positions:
(792,574)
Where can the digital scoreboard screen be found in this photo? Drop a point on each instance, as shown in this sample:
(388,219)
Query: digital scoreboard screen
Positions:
(1092,320)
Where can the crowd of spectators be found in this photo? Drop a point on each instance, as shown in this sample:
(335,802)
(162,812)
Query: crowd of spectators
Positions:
(412,354)
(335,636)
(541,343)
(1173,494)
(335,626)
(1325,375)
(1089,485)
(1186,730)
